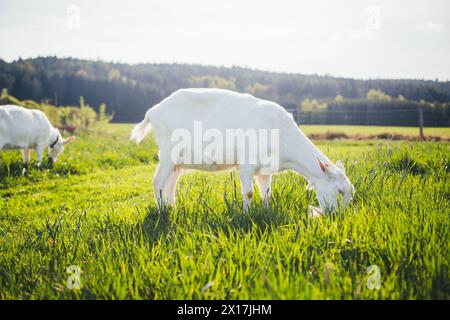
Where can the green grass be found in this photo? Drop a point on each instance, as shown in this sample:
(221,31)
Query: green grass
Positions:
(95,209)
(374,130)
(125,128)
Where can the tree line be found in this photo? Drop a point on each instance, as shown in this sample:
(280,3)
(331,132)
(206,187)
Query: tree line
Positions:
(129,90)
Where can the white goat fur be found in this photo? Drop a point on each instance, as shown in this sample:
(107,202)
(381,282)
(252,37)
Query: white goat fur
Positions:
(222,110)
(27,129)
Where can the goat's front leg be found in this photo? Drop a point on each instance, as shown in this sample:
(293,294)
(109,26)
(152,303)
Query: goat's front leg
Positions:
(246,178)
(26,155)
(164,170)
(39,153)
(265,187)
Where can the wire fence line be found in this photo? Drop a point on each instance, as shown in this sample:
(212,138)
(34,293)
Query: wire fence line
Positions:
(392,117)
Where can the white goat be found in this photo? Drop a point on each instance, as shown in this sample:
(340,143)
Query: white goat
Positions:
(26,129)
(222,110)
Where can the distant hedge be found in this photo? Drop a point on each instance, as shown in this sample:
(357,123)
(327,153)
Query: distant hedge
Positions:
(377,109)
(68,118)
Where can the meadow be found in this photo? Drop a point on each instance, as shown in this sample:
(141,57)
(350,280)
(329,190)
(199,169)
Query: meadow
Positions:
(95,209)
(376,130)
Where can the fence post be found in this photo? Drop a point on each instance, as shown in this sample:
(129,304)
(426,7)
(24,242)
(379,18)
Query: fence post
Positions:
(422,137)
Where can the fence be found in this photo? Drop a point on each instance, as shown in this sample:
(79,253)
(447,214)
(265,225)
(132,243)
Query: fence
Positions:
(410,117)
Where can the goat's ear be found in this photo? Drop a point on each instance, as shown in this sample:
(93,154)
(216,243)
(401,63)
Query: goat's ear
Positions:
(323,166)
(340,165)
(310,186)
(69,140)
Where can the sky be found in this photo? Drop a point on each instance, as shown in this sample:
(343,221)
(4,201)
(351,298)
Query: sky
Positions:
(346,38)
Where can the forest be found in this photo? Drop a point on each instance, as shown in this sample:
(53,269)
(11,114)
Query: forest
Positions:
(129,90)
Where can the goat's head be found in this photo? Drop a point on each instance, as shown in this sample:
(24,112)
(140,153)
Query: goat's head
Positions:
(333,188)
(57,146)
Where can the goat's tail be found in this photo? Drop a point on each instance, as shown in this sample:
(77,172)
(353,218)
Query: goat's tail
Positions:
(141,129)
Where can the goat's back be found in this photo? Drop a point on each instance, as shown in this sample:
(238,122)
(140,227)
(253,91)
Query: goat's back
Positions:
(216,108)
(20,126)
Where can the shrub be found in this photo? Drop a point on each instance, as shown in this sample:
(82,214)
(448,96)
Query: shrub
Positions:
(67,118)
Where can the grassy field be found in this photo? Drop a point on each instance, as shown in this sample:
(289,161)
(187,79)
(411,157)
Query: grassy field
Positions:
(95,209)
(375,130)
(348,130)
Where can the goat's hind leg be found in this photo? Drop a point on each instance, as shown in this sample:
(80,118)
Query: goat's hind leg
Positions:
(163,172)
(171,185)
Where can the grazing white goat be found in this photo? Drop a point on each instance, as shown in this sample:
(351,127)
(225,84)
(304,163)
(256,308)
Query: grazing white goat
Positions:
(218,111)
(26,129)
